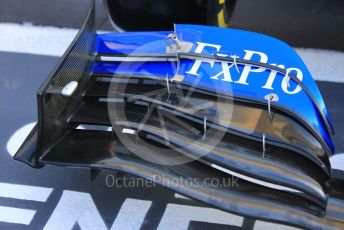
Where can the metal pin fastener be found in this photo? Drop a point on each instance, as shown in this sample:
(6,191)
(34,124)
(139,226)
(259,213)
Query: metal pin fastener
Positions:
(204,127)
(172,43)
(168,84)
(271,97)
(264,137)
(235,62)
(287,78)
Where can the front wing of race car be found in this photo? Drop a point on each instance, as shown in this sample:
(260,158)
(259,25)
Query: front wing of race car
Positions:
(197,102)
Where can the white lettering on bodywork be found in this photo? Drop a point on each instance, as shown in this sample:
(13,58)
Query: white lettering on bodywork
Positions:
(247,69)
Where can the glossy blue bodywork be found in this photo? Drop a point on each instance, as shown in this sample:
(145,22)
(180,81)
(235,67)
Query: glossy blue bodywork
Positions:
(249,82)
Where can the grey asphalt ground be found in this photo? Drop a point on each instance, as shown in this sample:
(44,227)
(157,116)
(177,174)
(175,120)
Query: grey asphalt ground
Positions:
(301,23)
(61,13)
